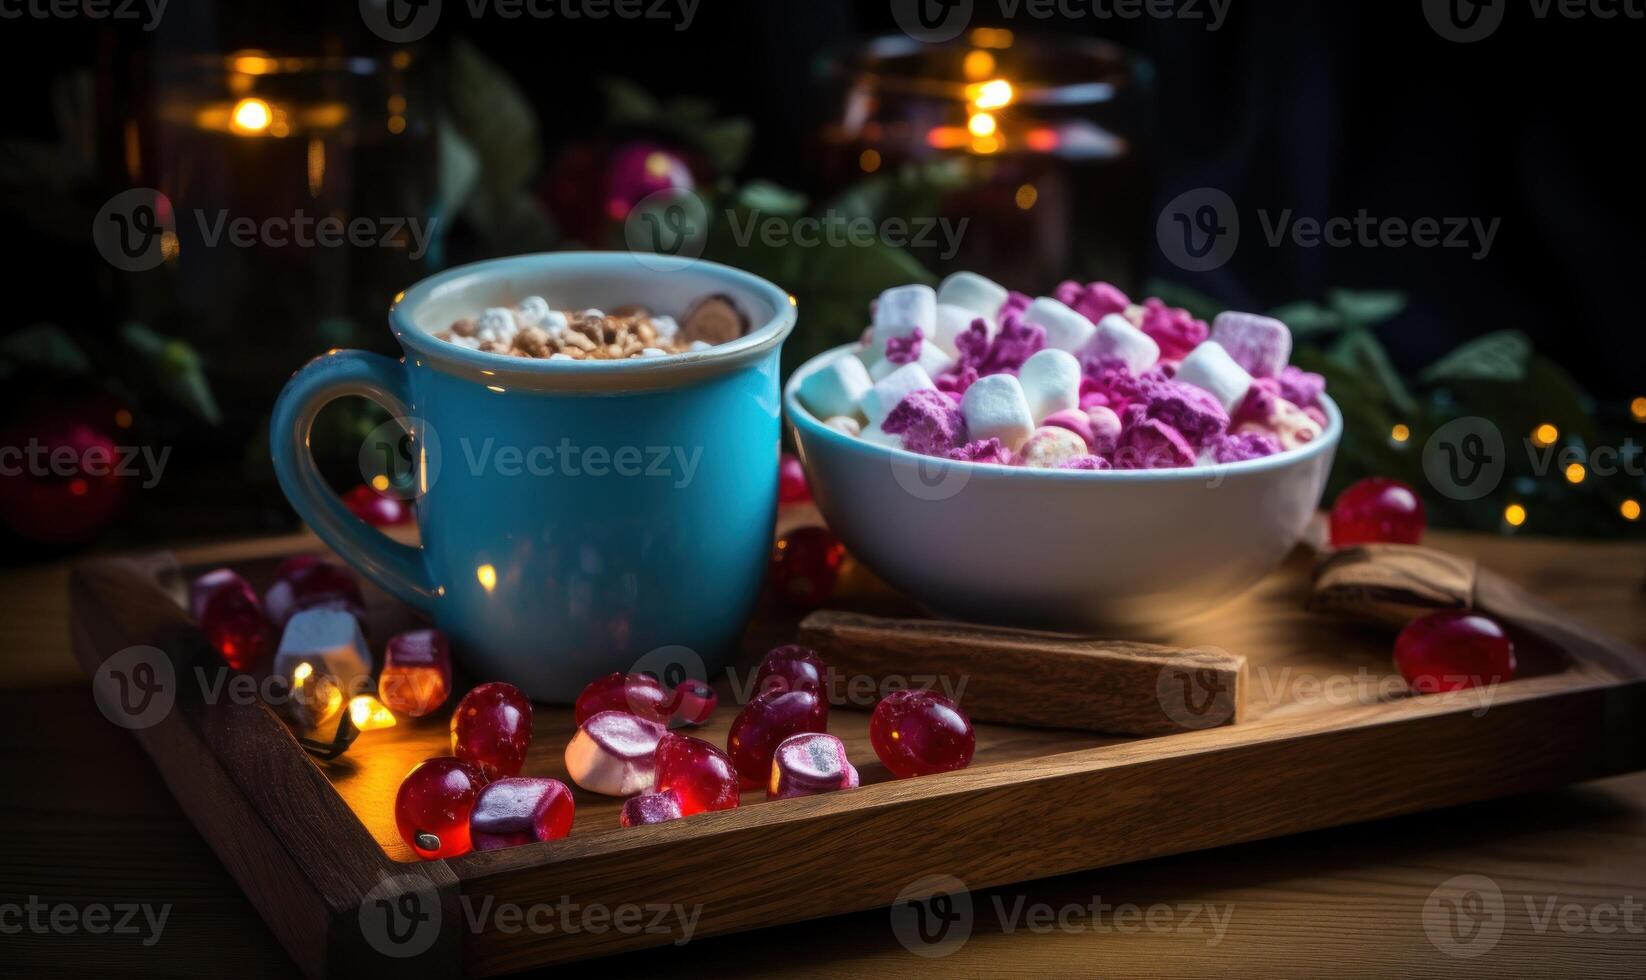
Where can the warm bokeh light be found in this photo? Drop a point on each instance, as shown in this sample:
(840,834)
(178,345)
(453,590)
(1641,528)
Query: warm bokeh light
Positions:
(981,124)
(1545,434)
(993,94)
(122,418)
(947,137)
(487,576)
(978,65)
(869,160)
(251,116)
(1026,196)
(998,38)
(1575,473)
(1630,509)
(1515,515)
(1400,433)
(1637,408)
(986,145)
(380,483)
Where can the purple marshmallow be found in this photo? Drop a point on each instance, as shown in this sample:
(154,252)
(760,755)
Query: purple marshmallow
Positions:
(1301,388)
(1260,344)
(1193,412)
(1152,445)
(1176,331)
(905,350)
(1086,463)
(1243,446)
(929,422)
(983,451)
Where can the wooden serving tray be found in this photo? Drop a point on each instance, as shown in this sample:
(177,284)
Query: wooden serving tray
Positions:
(1323,735)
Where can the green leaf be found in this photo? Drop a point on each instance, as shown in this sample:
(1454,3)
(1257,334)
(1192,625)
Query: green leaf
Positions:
(725,142)
(770,199)
(1360,350)
(1308,319)
(47,346)
(628,103)
(1201,306)
(1366,308)
(1498,356)
(498,123)
(176,368)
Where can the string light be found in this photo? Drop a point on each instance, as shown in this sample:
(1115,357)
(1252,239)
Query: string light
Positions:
(1630,509)
(1545,434)
(1575,473)
(251,116)
(978,65)
(869,160)
(1637,408)
(369,714)
(1026,196)
(487,576)
(982,124)
(1515,515)
(993,94)
(1400,433)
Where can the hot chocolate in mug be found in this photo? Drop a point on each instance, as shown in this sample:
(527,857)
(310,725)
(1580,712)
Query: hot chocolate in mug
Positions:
(575,516)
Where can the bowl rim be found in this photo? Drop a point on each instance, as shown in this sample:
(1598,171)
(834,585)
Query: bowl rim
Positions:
(802,418)
(614,375)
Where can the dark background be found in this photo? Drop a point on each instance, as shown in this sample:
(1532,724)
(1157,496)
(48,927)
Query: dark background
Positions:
(1324,108)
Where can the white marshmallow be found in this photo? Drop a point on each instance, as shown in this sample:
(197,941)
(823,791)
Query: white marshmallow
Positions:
(995,408)
(889,392)
(1065,329)
(836,388)
(554,322)
(654,352)
(533,310)
(971,291)
(496,324)
(846,424)
(1209,366)
(952,321)
(881,437)
(557,356)
(902,309)
(666,327)
(1051,383)
(932,359)
(698,345)
(593,314)
(461,341)
(614,753)
(1116,337)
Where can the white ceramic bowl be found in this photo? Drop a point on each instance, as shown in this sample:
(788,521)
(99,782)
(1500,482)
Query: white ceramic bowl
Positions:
(1055,549)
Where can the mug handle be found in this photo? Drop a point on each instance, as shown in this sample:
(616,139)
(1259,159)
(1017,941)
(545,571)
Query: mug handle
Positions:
(398,569)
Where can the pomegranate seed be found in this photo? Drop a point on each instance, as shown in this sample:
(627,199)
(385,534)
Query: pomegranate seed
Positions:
(1377,509)
(916,733)
(699,773)
(432,807)
(492,727)
(1453,650)
(768,720)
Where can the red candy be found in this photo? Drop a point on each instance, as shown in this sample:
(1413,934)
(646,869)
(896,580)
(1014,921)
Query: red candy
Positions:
(1450,651)
(306,582)
(691,703)
(492,727)
(417,673)
(649,808)
(1377,509)
(791,668)
(205,585)
(515,811)
(433,804)
(232,620)
(810,763)
(636,694)
(916,733)
(791,481)
(374,508)
(698,773)
(768,720)
(806,565)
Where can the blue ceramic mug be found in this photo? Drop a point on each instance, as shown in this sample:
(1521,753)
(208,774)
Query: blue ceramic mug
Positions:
(575,516)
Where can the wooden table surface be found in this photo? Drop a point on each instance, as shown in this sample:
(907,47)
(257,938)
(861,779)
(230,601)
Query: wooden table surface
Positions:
(87,830)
